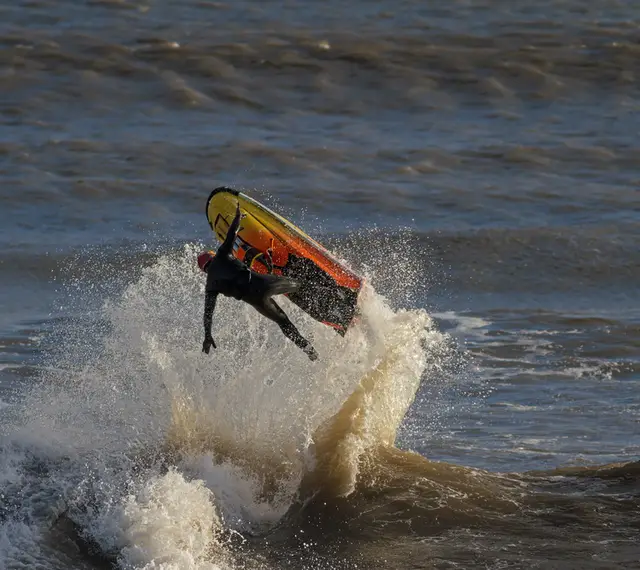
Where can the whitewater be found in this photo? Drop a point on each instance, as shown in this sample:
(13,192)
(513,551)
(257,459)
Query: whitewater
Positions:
(139,451)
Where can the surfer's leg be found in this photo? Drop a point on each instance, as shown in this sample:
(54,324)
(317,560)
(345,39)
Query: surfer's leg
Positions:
(270,309)
(281,286)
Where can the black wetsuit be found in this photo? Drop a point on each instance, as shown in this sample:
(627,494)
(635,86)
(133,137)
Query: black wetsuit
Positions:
(229,276)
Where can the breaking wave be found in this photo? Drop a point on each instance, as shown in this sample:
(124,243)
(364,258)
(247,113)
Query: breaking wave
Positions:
(148,453)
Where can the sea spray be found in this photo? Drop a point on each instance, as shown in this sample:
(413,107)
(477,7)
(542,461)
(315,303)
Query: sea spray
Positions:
(140,425)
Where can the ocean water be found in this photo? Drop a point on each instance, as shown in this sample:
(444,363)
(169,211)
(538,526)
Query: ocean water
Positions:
(477,161)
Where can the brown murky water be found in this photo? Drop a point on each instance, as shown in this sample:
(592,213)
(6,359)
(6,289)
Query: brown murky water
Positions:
(478,161)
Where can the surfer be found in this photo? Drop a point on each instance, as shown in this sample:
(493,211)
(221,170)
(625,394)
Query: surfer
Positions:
(229,276)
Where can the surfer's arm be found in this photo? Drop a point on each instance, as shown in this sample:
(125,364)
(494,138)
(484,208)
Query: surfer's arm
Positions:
(227,245)
(209,307)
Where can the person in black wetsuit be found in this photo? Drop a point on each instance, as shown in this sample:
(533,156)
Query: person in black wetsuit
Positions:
(229,276)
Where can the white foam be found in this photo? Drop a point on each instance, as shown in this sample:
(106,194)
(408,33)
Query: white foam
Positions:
(238,494)
(257,400)
(169,523)
(464,324)
(516,407)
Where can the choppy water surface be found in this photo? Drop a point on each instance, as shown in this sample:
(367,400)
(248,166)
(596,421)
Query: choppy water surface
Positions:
(477,161)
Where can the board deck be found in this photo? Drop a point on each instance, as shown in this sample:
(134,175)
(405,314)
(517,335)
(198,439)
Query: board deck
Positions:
(268,243)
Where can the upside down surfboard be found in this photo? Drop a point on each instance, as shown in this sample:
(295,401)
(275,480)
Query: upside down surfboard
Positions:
(268,243)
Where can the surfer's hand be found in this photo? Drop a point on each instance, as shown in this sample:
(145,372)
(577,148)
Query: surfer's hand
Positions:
(207,344)
(242,216)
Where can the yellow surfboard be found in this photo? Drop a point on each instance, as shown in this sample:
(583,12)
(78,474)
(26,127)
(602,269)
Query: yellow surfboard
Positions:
(268,243)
